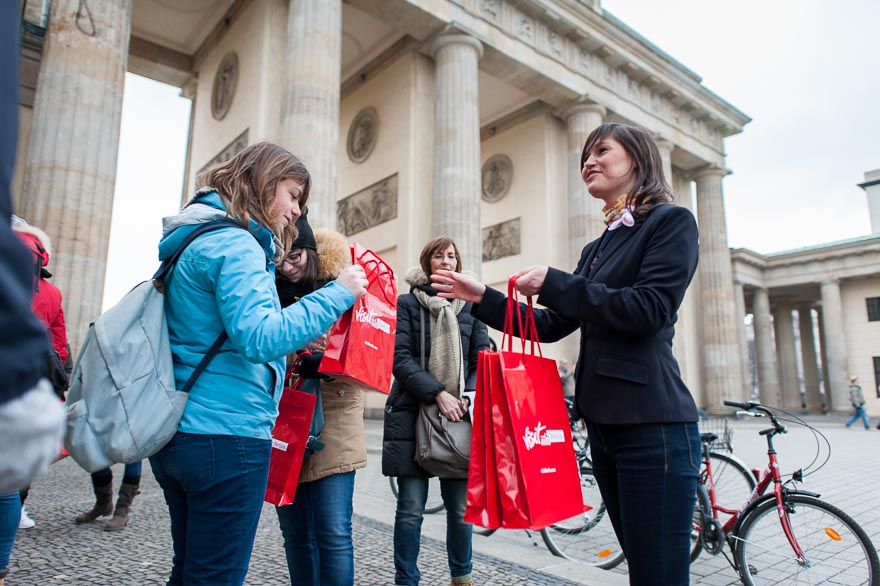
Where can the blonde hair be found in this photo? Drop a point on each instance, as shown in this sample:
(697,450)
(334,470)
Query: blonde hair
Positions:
(247,182)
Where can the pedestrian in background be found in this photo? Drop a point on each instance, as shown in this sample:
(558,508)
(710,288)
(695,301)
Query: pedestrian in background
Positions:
(857,398)
(214,471)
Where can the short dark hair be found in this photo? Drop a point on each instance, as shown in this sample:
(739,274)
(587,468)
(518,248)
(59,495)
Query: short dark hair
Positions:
(650,188)
(434,246)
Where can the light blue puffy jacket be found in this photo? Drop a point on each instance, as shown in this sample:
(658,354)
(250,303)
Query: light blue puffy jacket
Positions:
(225,279)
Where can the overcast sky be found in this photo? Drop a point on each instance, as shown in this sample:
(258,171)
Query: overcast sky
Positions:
(806,71)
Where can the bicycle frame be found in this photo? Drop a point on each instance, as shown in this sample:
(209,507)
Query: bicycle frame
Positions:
(771,474)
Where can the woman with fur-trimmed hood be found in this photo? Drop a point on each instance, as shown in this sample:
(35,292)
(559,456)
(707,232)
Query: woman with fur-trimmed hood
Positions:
(317,526)
(452,339)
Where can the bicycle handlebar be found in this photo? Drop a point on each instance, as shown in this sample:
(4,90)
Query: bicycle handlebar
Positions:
(751,407)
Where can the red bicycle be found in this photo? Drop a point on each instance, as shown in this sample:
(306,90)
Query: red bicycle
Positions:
(788,536)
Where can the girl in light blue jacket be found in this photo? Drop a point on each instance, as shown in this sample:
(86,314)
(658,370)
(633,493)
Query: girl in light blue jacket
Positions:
(214,471)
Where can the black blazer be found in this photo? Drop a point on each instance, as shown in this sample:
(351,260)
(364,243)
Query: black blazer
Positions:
(625,306)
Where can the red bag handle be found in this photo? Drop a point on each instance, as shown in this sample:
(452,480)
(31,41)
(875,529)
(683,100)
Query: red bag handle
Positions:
(374,266)
(291,372)
(528,330)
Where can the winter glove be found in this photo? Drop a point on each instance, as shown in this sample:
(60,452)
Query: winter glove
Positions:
(308,365)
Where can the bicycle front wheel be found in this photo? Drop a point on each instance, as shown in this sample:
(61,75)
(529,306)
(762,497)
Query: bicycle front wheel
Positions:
(837,549)
(588,538)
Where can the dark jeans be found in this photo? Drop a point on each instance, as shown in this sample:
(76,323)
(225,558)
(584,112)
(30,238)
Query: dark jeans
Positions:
(647,475)
(412,495)
(214,486)
(317,532)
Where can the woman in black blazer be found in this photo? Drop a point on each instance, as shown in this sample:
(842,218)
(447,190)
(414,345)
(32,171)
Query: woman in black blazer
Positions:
(624,295)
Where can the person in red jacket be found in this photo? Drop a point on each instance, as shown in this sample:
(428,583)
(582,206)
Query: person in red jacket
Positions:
(46,305)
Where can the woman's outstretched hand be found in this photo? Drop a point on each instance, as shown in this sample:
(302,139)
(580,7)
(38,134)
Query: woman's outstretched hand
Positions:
(452,285)
(529,281)
(354,279)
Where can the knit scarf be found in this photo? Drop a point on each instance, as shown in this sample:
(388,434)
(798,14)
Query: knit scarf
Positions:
(617,213)
(445,363)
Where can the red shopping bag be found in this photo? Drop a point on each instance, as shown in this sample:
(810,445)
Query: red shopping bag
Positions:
(360,348)
(289,439)
(549,480)
(483,504)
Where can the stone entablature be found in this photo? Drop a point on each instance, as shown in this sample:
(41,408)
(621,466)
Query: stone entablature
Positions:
(845,260)
(617,63)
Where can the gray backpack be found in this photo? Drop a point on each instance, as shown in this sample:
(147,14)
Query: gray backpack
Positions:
(123,405)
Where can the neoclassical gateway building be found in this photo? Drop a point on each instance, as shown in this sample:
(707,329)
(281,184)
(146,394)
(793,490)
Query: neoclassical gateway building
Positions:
(416,118)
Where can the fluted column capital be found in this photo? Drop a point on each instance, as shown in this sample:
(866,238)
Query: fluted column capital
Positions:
(709,171)
(583,108)
(455,38)
(664,146)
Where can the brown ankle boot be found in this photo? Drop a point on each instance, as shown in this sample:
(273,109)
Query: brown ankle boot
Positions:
(123,504)
(103,504)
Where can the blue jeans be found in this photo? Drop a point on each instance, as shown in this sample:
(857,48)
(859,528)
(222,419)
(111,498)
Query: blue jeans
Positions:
(10,515)
(412,495)
(214,487)
(317,532)
(860,412)
(647,475)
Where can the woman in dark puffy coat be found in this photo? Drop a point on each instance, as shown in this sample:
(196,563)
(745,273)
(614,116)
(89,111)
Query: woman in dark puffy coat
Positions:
(450,369)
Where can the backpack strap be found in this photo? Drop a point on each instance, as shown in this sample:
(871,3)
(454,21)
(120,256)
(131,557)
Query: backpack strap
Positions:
(164,273)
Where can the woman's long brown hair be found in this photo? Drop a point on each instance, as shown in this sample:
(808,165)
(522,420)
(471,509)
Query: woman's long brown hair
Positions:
(650,188)
(247,183)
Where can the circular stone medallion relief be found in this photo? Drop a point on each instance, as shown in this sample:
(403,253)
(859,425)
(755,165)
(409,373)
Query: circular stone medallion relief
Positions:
(224,86)
(362,134)
(497,177)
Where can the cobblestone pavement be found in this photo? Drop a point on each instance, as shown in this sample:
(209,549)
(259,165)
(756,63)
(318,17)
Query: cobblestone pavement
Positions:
(59,552)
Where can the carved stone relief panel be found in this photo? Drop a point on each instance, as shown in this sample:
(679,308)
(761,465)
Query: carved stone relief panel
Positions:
(368,207)
(497,177)
(225,81)
(491,10)
(501,240)
(229,151)
(362,134)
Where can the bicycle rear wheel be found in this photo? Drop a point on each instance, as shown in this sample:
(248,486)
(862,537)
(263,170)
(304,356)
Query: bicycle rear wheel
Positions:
(434,503)
(837,549)
(733,482)
(587,538)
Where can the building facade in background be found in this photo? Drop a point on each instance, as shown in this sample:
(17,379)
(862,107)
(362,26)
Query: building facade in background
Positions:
(417,118)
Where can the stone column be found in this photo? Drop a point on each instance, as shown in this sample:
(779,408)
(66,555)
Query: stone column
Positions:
(456,197)
(808,357)
(740,299)
(835,347)
(585,219)
(666,147)
(788,370)
(765,353)
(722,374)
(824,391)
(70,168)
(310,111)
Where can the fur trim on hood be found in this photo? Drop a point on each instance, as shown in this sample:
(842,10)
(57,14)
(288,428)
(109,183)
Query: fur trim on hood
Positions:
(415,276)
(334,253)
(30,233)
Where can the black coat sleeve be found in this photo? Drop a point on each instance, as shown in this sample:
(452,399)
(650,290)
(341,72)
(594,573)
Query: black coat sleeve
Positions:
(644,308)
(551,325)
